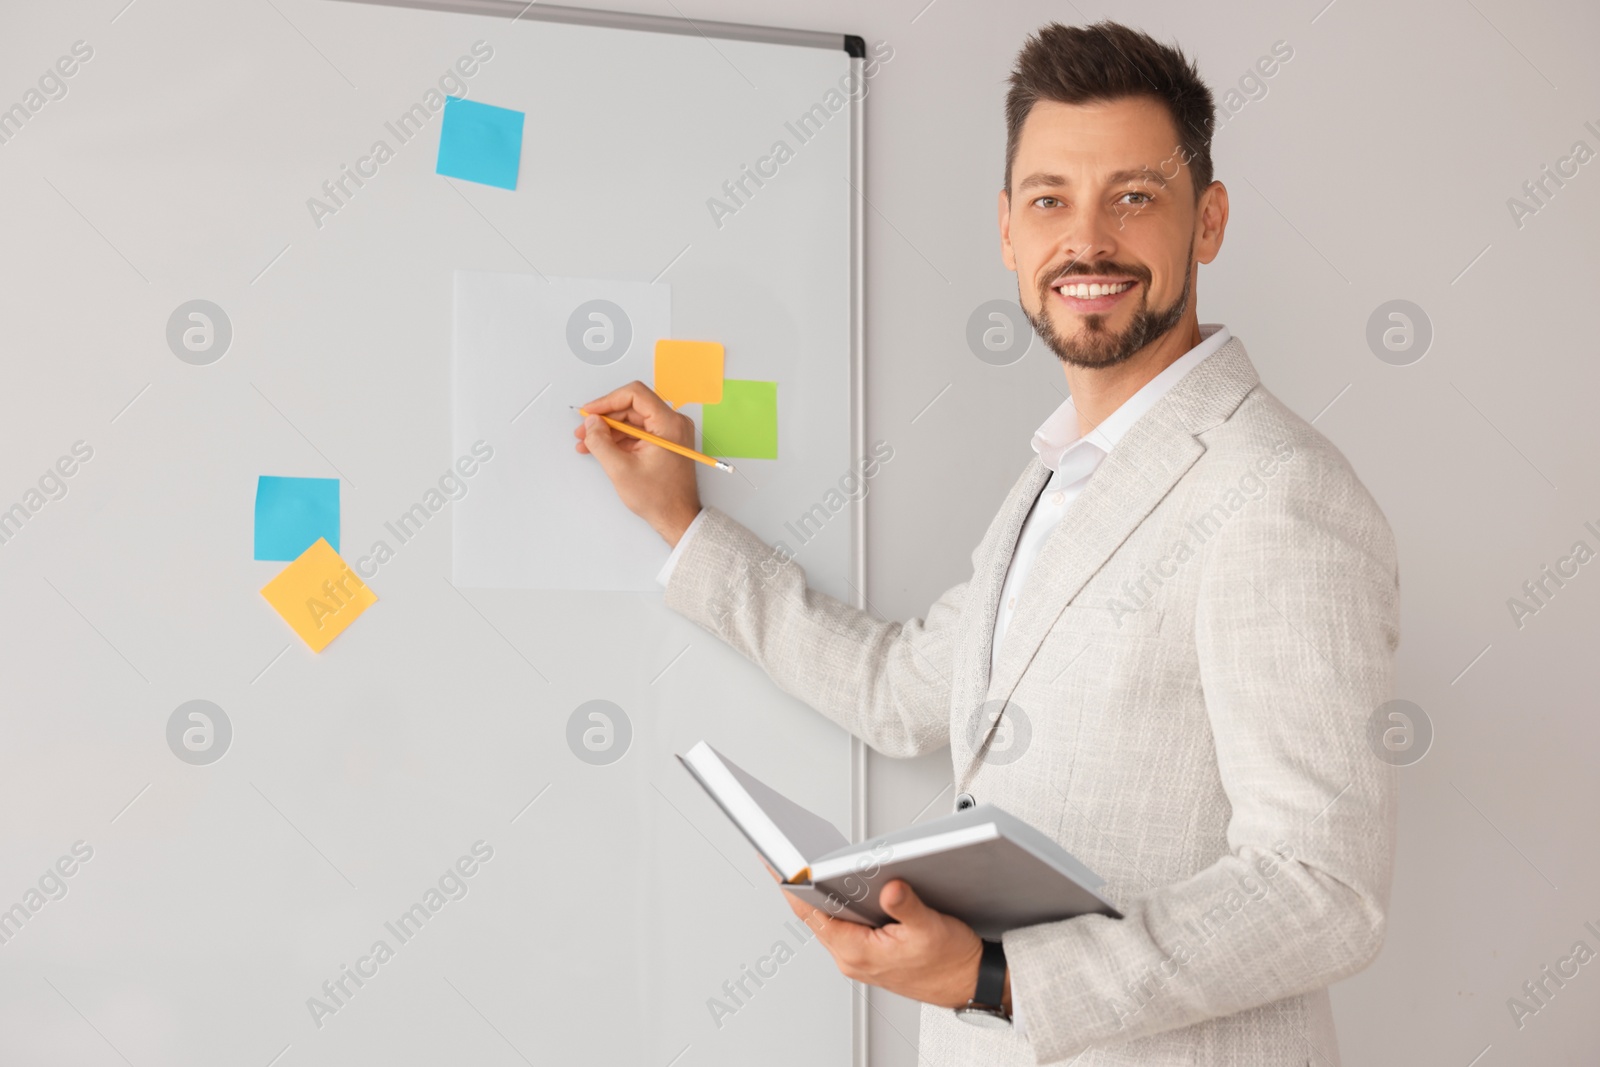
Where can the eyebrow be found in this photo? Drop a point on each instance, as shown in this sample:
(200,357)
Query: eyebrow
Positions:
(1116,177)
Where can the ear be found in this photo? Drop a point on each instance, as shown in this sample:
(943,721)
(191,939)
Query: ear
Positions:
(1007,255)
(1211,223)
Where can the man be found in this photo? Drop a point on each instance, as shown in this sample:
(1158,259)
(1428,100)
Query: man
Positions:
(1175,631)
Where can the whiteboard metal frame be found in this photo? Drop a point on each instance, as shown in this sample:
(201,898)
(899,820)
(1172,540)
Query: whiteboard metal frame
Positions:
(627,20)
(858,432)
(855,47)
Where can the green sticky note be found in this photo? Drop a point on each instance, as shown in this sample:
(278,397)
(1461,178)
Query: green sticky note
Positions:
(745,424)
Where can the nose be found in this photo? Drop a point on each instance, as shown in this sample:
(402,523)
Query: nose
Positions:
(1086,237)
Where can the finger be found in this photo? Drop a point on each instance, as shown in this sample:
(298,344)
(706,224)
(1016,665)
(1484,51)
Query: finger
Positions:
(636,396)
(599,440)
(842,935)
(903,904)
(627,442)
(621,440)
(631,416)
(802,910)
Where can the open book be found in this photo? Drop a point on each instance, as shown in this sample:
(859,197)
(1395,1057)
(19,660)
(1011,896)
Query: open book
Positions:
(984,866)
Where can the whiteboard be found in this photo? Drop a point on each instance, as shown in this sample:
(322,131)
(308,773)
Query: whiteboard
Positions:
(572,911)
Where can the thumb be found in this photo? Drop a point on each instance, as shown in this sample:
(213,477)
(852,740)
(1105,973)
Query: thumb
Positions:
(902,904)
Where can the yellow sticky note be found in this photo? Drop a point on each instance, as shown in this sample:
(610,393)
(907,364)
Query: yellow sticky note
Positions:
(318,595)
(689,372)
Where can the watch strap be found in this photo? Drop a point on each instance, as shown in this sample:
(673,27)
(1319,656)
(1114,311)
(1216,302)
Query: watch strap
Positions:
(991,975)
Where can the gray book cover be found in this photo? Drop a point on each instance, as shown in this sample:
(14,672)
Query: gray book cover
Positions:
(983,865)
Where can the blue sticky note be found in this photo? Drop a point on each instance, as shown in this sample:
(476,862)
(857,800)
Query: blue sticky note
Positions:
(291,513)
(480,143)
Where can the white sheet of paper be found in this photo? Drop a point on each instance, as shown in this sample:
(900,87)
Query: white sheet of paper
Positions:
(540,515)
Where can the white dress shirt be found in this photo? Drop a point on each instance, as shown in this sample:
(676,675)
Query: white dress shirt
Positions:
(1072,457)
(665,574)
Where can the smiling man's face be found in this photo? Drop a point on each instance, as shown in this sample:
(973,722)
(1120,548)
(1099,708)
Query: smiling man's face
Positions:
(1101,226)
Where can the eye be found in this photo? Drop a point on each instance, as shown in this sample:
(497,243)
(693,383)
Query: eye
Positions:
(1146,200)
(1052,202)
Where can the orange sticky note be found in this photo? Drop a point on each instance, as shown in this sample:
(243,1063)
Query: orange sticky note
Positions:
(318,595)
(689,372)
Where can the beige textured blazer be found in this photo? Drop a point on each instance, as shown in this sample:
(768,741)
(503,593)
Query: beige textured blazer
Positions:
(1181,701)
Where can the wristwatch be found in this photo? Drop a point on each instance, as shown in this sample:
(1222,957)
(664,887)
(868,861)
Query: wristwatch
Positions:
(984,1009)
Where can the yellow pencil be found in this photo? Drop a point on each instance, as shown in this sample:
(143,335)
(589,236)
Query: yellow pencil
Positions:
(673,446)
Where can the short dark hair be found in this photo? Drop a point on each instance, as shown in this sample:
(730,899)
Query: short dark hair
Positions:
(1109,61)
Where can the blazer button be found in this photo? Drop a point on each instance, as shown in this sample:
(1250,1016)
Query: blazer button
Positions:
(965,801)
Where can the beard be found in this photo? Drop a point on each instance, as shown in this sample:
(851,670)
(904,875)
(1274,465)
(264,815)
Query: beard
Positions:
(1096,346)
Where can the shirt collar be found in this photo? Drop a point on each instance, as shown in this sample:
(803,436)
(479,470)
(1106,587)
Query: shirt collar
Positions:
(1058,434)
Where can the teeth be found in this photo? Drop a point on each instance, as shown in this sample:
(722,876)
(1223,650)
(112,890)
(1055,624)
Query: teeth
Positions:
(1090,292)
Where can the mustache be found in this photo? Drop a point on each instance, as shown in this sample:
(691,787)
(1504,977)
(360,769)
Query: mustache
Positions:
(1077,268)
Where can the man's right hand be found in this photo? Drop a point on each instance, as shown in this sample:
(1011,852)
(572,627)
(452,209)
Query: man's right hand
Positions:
(656,484)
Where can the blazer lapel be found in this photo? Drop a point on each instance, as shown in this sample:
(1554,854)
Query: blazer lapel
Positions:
(994,559)
(1135,476)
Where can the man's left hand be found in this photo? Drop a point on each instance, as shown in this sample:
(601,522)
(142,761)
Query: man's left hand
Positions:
(925,955)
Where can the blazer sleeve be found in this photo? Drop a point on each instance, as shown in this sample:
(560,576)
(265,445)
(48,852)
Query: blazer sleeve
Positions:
(887,683)
(1296,631)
